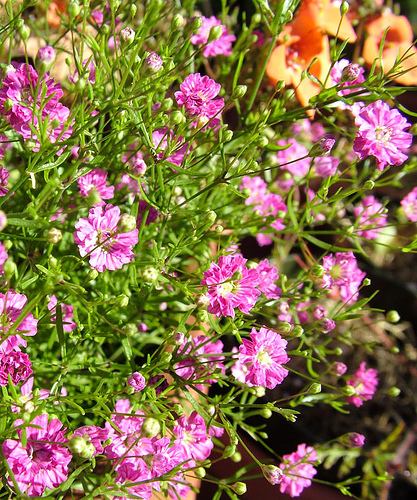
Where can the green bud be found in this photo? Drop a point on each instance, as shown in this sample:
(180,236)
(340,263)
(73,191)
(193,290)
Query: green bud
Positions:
(130,329)
(297,331)
(202,316)
(369,185)
(151,427)
(259,391)
(394,392)
(394,350)
(256,18)
(350,230)
(53,235)
(9,268)
(197,23)
(77,444)
(24,33)
(338,351)
(344,7)
(200,472)
(349,390)
(263,141)
(215,33)
(237,457)
(279,85)
(29,406)
(166,104)
(150,274)
(366,282)
(229,451)
(314,388)
(133,9)
(239,488)
(92,274)
(73,10)
(239,91)
(210,217)
(177,21)
(177,117)
(126,224)
(317,271)
(88,451)
(228,135)
(219,229)
(105,29)
(284,327)
(265,413)
(392,317)
(122,300)
(165,358)
(178,409)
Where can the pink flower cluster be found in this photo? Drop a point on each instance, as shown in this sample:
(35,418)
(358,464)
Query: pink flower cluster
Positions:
(261,358)
(372,217)
(31,105)
(95,181)
(341,270)
(99,237)
(365,382)
(222,45)
(298,470)
(198,97)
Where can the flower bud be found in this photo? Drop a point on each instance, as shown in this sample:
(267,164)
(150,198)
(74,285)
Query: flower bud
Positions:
(197,23)
(165,358)
(202,316)
(177,117)
(314,388)
(88,451)
(154,62)
(344,7)
(133,9)
(200,472)
(228,135)
(339,368)
(392,317)
(150,274)
(219,229)
(297,331)
(126,223)
(327,325)
(317,271)
(80,84)
(177,22)
(323,146)
(92,274)
(369,185)
(349,390)
(350,73)
(272,473)
(366,282)
(179,338)
(229,451)
(265,413)
(54,235)
(178,409)
(127,36)
(73,10)
(394,392)
(151,427)
(239,91)
(236,457)
(279,85)
(24,33)
(215,33)
(166,104)
(45,58)
(356,440)
(239,488)
(77,444)
(9,268)
(284,327)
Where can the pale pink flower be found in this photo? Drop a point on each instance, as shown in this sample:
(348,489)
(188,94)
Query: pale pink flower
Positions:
(43,462)
(365,383)
(267,275)
(98,236)
(231,284)
(222,45)
(96,180)
(381,133)
(326,166)
(257,187)
(198,96)
(67,314)
(264,354)
(409,204)
(356,440)
(309,131)
(294,159)
(169,147)
(372,217)
(298,470)
(192,436)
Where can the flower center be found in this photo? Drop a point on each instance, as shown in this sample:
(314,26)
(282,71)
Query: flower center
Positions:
(106,239)
(383,134)
(263,357)
(227,288)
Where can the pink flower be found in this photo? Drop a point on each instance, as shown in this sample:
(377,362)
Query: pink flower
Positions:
(154,62)
(294,159)
(267,276)
(365,382)
(4,175)
(264,356)
(409,204)
(88,72)
(166,143)
(356,440)
(192,436)
(326,166)
(341,269)
(257,187)
(202,358)
(231,284)
(222,45)
(11,305)
(372,218)
(43,462)
(310,132)
(16,364)
(381,134)
(134,474)
(137,381)
(151,213)
(348,76)
(94,435)
(298,470)
(67,314)
(3,257)
(98,237)
(198,95)
(96,180)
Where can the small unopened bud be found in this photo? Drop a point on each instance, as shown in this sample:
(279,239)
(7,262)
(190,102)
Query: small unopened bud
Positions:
(279,85)
(3,220)
(215,33)
(351,72)
(339,368)
(45,58)
(259,391)
(297,331)
(133,9)
(54,235)
(394,392)
(73,10)
(284,327)
(77,444)
(126,223)
(122,300)
(80,84)
(369,185)
(154,62)
(130,329)
(210,217)
(150,274)
(9,268)
(29,406)
(228,135)
(237,457)
(323,146)
(356,440)
(219,229)
(179,338)
(263,142)
(201,301)
(265,413)
(24,33)
(178,409)
(197,23)
(127,35)
(349,390)
(314,388)
(177,21)
(200,472)
(239,488)
(366,282)
(229,451)
(327,325)
(166,104)
(177,117)
(344,7)
(239,91)
(392,317)
(92,274)
(272,473)
(151,427)
(165,358)
(317,271)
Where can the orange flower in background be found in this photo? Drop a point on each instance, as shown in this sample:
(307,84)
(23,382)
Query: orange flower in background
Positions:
(398,41)
(303,40)
(55,8)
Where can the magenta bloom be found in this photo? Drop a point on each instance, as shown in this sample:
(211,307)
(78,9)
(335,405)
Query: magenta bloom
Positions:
(96,180)
(4,175)
(257,187)
(3,257)
(134,473)
(341,269)
(11,305)
(326,166)
(365,382)
(43,462)
(382,134)
(231,284)
(264,356)
(164,140)
(222,45)
(294,159)
(409,204)
(356,440)
(267,276)
(98,237)
(298,470)
(94,435)
(372,217)
(16,364)
(192,436)
(198,95)
(67,314)
(137,381)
